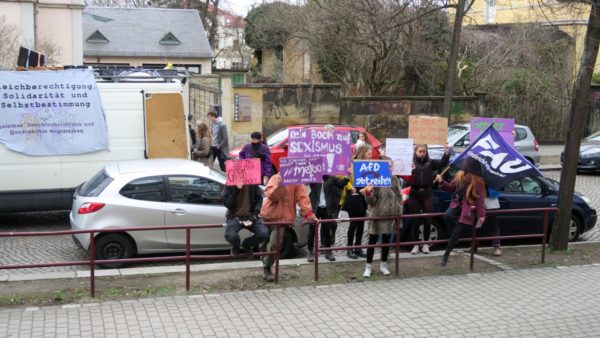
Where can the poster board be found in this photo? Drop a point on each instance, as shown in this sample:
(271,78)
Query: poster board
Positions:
(376,173)
(245,171)
(505,127)
(428,129)
(301,170)
(335,145)
(400,150)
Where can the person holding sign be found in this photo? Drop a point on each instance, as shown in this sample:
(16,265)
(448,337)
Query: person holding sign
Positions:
(420,198)
(468,202)
(384,201)
(243,203)
(280,206)
(324,198)
(257,149)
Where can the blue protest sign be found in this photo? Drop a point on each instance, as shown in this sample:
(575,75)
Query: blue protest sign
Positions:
(376,173)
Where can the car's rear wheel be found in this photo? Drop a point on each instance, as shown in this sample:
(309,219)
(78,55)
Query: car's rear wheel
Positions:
(574,226)
(113,246)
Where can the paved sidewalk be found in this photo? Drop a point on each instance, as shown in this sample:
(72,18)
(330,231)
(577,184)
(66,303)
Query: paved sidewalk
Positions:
(550,302)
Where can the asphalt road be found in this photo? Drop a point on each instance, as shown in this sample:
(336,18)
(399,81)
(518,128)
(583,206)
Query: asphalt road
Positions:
(22,250)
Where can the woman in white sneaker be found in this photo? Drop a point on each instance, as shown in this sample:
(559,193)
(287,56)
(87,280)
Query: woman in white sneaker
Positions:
(384,201)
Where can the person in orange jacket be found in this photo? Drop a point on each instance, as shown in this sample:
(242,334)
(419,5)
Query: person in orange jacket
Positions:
(279,205)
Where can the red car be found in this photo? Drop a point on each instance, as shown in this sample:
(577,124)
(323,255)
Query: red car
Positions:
(278,142)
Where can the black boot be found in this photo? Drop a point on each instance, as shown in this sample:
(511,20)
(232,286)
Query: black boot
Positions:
(444,261)
(267,274)
(351,254)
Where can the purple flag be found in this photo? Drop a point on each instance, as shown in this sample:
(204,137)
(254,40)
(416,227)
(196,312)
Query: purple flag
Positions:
(334,145)
(301,170)
(499,163)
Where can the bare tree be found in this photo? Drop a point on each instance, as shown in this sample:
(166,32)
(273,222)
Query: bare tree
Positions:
(9,44)
(580,105)
(51,50)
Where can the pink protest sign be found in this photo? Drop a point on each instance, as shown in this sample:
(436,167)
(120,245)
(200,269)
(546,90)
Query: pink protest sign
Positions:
(243,171)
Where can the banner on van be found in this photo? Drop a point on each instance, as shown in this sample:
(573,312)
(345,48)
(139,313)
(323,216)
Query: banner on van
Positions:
(45,113)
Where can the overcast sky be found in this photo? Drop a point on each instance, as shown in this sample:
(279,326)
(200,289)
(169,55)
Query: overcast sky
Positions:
(240,7)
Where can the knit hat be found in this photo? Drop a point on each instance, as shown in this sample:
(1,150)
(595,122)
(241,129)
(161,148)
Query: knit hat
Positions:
(256,135)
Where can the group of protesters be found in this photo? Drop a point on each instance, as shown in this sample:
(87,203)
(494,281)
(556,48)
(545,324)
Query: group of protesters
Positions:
(247,208)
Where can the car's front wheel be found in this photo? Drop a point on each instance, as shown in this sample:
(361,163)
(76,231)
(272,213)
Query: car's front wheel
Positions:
(574,226)
(113,246)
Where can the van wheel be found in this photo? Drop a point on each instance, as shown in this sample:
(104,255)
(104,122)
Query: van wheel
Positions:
(113,246)
(287,245)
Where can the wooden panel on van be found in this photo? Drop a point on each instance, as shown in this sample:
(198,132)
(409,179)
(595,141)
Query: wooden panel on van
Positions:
(166,128)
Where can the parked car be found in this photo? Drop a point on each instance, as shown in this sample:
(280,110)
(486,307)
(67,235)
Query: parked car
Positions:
(527,192)
(278,142)
(589,154)
(459,138)
(156,192)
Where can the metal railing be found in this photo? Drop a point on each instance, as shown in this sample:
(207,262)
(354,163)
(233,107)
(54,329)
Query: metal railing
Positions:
(188,257)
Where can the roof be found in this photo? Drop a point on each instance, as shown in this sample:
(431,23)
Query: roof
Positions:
(144,32)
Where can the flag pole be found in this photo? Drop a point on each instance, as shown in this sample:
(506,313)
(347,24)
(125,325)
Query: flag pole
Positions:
(443,171)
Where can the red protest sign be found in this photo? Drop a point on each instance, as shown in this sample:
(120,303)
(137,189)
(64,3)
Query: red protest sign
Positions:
(243,171)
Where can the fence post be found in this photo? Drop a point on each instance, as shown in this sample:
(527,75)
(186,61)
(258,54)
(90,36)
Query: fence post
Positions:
(545,236)
(277,248)
(316,249)
(187,259)
(92,263)
(472,263)
(397,265)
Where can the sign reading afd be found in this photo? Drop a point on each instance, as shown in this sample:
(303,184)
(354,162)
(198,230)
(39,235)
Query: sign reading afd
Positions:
(376,173)
(46,113)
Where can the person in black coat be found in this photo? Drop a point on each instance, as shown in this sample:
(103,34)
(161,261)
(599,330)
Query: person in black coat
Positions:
(420,198)
(325,201)
(243,203)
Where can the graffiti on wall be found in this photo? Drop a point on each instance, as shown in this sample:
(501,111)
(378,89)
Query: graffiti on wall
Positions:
(285,103)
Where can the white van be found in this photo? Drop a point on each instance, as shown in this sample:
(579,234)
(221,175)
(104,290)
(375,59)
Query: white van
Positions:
(145,119)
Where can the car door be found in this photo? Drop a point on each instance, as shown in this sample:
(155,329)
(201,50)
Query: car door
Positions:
(142,205)
(526,192)
(195,200)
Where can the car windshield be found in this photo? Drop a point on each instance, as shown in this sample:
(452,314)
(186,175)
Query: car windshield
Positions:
(276,138)
(455,133)
(594,137)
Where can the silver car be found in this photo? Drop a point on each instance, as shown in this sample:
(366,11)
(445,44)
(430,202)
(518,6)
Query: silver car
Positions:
(156,192)
(459,138)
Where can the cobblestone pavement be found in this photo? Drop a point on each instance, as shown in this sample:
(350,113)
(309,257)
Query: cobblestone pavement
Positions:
(518,303)
(22,250)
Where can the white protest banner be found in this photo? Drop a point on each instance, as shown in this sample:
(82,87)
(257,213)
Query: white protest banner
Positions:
(46,113)
(400,150)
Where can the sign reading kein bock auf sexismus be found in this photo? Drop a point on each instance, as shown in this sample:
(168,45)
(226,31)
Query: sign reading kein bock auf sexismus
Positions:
(334,145)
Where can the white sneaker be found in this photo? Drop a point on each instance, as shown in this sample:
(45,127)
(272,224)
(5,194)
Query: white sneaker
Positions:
(425,248)
(368,270)
(415,250)
(384,269)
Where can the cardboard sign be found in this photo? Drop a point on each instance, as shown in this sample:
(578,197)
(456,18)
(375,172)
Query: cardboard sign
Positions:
(301,170)
(376,173)
(335,145)
(243,171)
(400,150)
(428,129)
(504,127)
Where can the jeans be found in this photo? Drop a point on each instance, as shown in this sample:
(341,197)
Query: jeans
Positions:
(418,205)
(327,230)
(218,154)
(385,238)
(261,233)
(457,228)
(355,231)
(270,245)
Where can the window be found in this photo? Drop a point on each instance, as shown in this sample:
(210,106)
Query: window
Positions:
(145,189)
(97,37)
(521,134)
(525,185)
(238,79)
(513,186)
(169,39)
(96,185)
(195,190)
